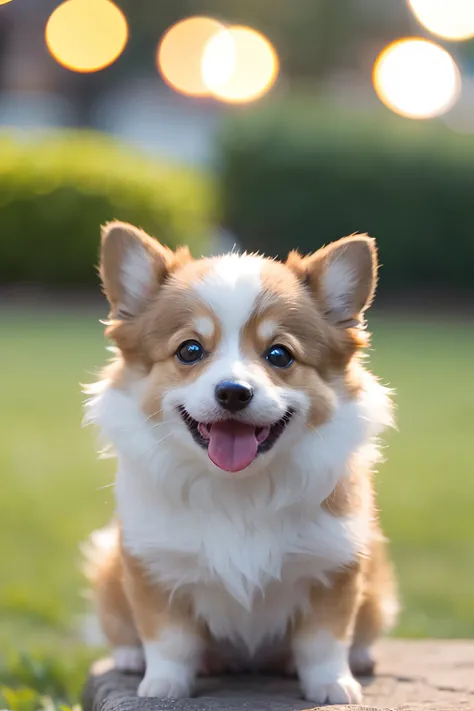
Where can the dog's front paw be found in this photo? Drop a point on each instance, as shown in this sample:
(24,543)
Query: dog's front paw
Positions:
(171,664)
(345,690)
(165,687)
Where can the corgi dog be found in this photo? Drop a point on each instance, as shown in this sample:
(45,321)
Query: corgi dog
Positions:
(245,429)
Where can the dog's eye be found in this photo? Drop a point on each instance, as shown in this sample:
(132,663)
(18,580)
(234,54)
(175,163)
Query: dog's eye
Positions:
(279,356)
(190,352)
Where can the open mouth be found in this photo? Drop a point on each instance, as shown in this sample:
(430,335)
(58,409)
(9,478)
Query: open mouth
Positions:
(233,445)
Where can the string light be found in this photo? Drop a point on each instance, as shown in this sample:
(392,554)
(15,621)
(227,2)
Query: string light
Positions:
(450,19)
(239,65)
(86,35)
(180,51)
(416,78)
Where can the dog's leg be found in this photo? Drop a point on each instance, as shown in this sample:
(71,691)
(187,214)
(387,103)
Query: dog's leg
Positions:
(378,611)
(321,641)
(172,640)
(104,568)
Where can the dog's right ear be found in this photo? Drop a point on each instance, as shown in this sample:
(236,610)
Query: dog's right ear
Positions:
(133,265)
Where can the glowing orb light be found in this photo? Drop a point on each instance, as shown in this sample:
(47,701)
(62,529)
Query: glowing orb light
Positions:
(180,52)
(239,64)
(86,35)
(4,2)
(451,19)
(416,78)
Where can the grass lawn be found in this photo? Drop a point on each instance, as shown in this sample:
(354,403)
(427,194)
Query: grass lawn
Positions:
(54,490)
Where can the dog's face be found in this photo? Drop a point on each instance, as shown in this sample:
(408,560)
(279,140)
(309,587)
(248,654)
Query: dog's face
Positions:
(237,354)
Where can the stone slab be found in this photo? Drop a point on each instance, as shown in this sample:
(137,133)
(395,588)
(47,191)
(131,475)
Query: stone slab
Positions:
(411,676)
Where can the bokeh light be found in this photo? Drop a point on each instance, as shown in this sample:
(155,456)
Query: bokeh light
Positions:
(451,19)
(416,78)
(180,54)
(218,60)
(86,35)
(239,65)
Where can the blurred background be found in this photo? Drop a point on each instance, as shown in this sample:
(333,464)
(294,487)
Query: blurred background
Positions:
(268,124)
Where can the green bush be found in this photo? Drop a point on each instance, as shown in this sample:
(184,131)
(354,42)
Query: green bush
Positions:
(300,175)
(56,191)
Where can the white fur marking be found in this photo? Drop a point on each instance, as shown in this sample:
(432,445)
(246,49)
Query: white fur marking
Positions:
(266,329)
(323,668)
(204,326)
(231,288)
(171,664)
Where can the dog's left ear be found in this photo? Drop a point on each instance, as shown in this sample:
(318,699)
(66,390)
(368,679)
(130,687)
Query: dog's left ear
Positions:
(342,276)
(133,266)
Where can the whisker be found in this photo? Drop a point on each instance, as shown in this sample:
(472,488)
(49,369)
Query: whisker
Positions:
(165,437)
(159,424)
(313,429)
(155,445)
(152,427)
(106,486)
(154,414)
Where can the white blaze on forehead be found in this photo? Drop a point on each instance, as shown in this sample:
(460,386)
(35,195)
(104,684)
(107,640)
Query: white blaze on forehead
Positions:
(231,288)
(204,326)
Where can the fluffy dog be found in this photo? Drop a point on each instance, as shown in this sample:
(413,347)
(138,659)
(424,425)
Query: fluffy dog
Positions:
(245,428)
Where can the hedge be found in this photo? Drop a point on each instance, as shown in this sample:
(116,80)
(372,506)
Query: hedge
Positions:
(300,175)
(57,190)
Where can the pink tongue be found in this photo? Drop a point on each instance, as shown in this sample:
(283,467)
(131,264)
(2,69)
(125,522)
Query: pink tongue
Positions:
(232,445)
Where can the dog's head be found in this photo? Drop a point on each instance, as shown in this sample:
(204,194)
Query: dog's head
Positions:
(237,354)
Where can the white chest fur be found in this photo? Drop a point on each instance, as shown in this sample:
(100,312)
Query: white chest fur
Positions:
(247,568)
(245,549)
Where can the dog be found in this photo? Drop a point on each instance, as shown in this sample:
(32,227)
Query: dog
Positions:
(246,432)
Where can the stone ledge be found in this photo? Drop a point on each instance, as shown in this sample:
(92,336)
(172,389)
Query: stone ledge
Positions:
(411,676)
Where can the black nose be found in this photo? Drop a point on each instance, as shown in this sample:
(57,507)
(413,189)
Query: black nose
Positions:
(233,396)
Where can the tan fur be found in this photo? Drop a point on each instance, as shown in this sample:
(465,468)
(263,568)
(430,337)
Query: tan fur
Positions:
(162,339)
(379,589)
(149,341)
(117,237)
(131,608)
(367,587)
(363,254)
(152,608)
(334,607)
(322,351)
(352,607)
(153,334)
(306,373)
(113,608)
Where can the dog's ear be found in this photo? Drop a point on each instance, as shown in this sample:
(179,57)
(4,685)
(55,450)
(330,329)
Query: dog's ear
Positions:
(342,276)
(133,265)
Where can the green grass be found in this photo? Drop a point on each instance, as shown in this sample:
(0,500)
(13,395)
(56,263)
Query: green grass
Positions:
(52,497)
(53,491)
(426,484)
